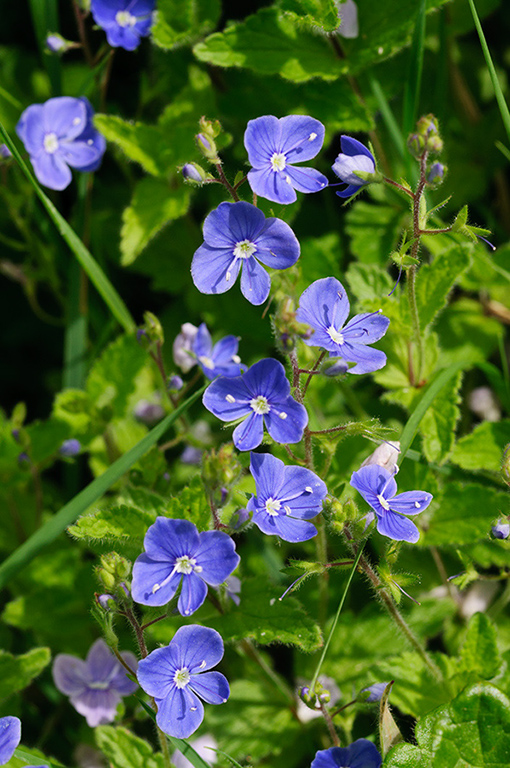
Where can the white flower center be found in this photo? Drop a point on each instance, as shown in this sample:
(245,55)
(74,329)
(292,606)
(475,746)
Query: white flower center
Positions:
(182,677)
(273,506)
(185,564)
(382,501)
(260,405)
(99,685)
(278,161)
(335,335)
(51,143)
(207,362)
(125,19)
(244,249)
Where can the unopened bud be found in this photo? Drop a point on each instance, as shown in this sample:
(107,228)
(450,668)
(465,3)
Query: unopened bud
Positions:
(70,448)
(113,570)
(338,368)
(436,173)
(193,173)
(175,383)
(58,44)
(106,601)
(501,530)
(183,346)
(207,147)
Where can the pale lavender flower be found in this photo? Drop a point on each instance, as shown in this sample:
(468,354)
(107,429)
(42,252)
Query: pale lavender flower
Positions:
(183,346)
(348,15)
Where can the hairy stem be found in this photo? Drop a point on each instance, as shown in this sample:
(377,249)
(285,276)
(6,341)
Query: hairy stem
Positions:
(329,722)
(411,279)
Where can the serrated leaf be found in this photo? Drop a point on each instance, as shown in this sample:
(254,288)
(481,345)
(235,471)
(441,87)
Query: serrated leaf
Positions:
(125,750)
(145,144)
(74,407)
(473,731)
(464,515)
(374,231)
(154,205)
(181,21)
(484,447)
(16,672)
(438,425)
(262,617)
(368,282)
(321,13)
(192,504)
(112,378)
(271,44)
(46,437)
(119,522)
(435,281)
(480,654)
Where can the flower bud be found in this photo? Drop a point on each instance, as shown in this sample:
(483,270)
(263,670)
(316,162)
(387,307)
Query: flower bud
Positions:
(147,412)
(70,448)
(501,530)
(24,459)
(436,173)
(183,345)
(385,455)
(426,138)
(239,518)
(338,368)
(56,43)
(106,602)
(5,152)
(193,173)
(175,383)
(374,691)
(207,147)
(153,328)
(113,570)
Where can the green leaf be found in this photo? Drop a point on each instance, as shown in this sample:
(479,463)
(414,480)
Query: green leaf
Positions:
(464,515)
(438,425)
(374,231)
(414,72)
(191,503)
(154,205)
(89,495)
(16,672)
(389,733)
(436,280)
(480,653)
(484,447)
(117,523)
(271,44)
(123,749)
(36,757)
(368,282)
(473,731)
(179,21)
(75,408)
(112,378)
(87,261)
(46,437)
(144,144)
(314,13)
(262,617)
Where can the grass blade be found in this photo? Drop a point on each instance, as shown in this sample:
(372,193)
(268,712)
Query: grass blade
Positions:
(45,19)
(96,275)
(89,495)
(188,752)
(503,106)
(433,389)
(413,80)
(388,117)
(35,759)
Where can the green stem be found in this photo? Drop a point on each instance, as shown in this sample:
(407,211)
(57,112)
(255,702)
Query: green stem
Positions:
(411,279)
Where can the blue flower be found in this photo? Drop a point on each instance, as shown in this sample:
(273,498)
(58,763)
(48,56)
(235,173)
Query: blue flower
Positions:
(360,754)
(378,488)
(176,554)
(10,737)
(273,146)
(501,530)
(354,156)
(375,692)
(286,498)
(124,21)
(96,686)
(238,236)
(176,676)
(220,360)
(260,396)
(325,307)
(70,448)
(59,134)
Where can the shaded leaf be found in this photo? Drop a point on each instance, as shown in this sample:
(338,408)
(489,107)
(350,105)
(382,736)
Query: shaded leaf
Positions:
(16,672)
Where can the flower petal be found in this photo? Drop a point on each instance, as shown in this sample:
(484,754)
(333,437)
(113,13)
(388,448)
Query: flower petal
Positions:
(156,672)
(10,737)
(98,707)
(295,141)
(214,270)
(397,527)
(200,648)
(350,146)
(228,399)
(123,37)
(104,11)
(217,557)
(212,687)
(51,171)
(255,282)
(370,482)
(287,422)
(366,328)
(267,378)
(100,661)
(324,304)
(167,539)
(180,713)
(262,139)
(368,359)
(121,682)
(351,189)
(268,473)
(231,223)
(78,154)
(65,116)
(146,574)
(69,674)
(303,491)
(272,185)
(410,502)
(193,594)
(277,245)
(202,345)
(306,180)
(224,351)
(248,435)
(30,129)
(284,527)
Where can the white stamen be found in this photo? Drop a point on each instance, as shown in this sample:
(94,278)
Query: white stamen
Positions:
(287,509)
(382,501)
(278,161)
(90,142)
(288,179)
(125,19)
(182,677)
(202,664)
(417,504)
(207,362)
(77,121)
(312,136)
(50,143)
(260,405)
(185,564)
(244,249)
(282,415)
(236,359)
(230,398)
(309,489)
(192,709)
(335,335)
(273,506)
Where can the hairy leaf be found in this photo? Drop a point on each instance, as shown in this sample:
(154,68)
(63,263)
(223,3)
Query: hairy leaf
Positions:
(16,672)
(484,447)
(435,281)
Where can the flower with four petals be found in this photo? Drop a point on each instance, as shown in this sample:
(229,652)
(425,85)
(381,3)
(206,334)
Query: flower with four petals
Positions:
(274,146)
(124,21)
(260,396)
(287,497)
(378,488)
(324,306)
(237,236)
(177,675)
(220,360)
(176,553)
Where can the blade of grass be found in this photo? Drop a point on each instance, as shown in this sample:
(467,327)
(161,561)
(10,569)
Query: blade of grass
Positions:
(413,78)
(335,620)
(45,19)
(87,261)
(433,389)
(180,744)
(388,117)
(504,150)
(34,759)
(89,495)
(503,106)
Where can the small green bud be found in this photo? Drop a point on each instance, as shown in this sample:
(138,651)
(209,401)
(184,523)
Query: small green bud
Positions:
(113,570)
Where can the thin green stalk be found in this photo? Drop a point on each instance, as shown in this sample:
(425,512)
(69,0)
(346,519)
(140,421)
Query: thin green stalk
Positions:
(503,106)
(388,117)
(335,620)
(413,77)
(87,261)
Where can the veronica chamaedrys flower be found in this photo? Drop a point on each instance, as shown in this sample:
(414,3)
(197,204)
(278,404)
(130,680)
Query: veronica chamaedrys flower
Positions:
(324,306)
(360,754)
(273,146)
(176,554)
(220,360)
(70,448)
(237,236)
(259,397)
(353,157)
(183,346)
(124,21)
(95,686)
(348,15)
(177,675)
(59,135)
(375,692)
(501,530)
(378,488)
(287,497)
(10,737)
